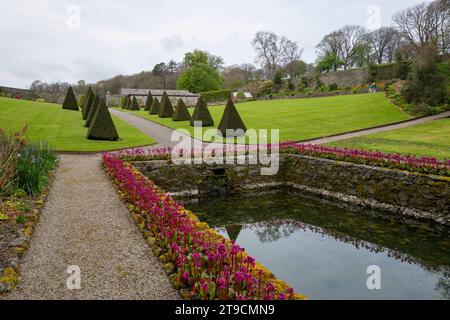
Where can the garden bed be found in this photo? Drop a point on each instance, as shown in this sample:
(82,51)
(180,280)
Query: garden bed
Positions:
(200,262)
(26,171)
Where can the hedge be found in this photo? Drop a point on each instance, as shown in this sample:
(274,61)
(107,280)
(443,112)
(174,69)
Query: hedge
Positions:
(216,96)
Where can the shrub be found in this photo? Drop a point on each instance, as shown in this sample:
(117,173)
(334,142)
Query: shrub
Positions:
(166,109)
(422,109)
(92,112)
(35,162)
(426,84)
(70,102)
(123,101)
(134,105)
(181,112)
(201,114)
(333,87)
(156,106)
(9,155)
(231,120)
(102,126)
(89,104)
(86,101)
(216,96)
(148,101)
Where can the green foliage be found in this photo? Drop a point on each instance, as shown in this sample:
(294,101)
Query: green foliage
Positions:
(135,105)
(329,62)
(426,85)
(148,102)
(231,120)
(70,102)
(82,100)
(202,114)
(89,103)
(202,72)
(123,101)
(216,96)
(278,78)
(166,109)
(92,112)
(156,106)
(382,72)
(403,66)
(181,112)
(333,87)
(86,100)
(35,162)
(102,126)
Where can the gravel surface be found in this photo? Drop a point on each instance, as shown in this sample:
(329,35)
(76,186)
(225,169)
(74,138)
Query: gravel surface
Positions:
(84,223)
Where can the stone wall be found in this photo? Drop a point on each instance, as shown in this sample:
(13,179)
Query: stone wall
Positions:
(411,195)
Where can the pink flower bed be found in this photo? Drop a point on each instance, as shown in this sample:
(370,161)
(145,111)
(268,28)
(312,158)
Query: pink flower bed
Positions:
(427,165)
(199,260)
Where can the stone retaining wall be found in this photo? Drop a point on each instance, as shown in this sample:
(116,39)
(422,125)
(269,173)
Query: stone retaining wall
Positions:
(402,193)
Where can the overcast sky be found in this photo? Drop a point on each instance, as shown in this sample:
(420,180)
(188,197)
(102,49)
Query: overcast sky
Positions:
(63,40)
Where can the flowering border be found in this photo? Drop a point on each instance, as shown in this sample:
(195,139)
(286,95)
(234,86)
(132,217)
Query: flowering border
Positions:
(424,165)
(200,262)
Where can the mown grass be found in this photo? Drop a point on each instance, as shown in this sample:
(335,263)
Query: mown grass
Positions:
(63,129)
(428,139)
(301,119)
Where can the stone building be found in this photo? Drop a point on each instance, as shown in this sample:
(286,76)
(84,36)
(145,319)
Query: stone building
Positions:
(190,99)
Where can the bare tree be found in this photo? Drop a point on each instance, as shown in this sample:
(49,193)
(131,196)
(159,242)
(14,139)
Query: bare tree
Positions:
(351,37)
(269,50)
(383,42)
(273,51)
(291,52)
(331,46)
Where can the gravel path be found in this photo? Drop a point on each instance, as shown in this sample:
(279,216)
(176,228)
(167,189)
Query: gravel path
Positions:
(84,223)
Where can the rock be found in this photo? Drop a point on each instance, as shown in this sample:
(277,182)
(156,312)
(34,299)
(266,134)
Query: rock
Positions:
(19,242)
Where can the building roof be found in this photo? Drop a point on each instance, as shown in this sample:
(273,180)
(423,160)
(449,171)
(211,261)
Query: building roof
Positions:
(157,92)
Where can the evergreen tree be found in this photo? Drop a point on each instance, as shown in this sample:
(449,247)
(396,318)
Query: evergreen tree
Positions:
(70,102)
(148,102)
(92,112)
(181,112)
(156,106)
(89,105)
(166,110)
(85,102)
(201,114)
(102,126)
(231,120)
(134,105)
(123,101)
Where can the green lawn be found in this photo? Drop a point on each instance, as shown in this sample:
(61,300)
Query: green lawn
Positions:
(63,129)
(428,139)
(300,119)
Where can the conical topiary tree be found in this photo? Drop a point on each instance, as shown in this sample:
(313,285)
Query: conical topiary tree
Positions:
(84,104)
(201,114)
(156,106)
(166,110)
(82,101)
(89,105)
(181,112)
(231,120)
(123,101)
(102,126)
(148,102)
(70,102)
(134,105)
(127,103)
(92,112)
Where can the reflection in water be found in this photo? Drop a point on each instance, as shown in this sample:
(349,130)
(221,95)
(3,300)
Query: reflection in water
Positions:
(302,238)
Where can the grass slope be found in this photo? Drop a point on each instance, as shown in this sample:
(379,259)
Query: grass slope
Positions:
(63,129)
(428,139)
(300,119)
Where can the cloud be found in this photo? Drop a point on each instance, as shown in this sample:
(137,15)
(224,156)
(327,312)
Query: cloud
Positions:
(125,37)
(172,42)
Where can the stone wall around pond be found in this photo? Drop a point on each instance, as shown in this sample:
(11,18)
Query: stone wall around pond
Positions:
(402,193)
